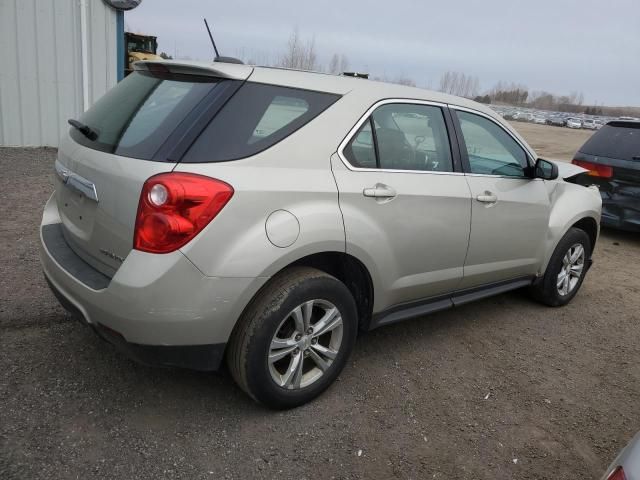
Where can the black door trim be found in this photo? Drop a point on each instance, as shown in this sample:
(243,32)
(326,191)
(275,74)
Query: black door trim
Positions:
(406,311)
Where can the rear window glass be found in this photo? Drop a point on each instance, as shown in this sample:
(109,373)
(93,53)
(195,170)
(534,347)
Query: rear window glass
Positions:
(613,141)
(254,119)
(135,117)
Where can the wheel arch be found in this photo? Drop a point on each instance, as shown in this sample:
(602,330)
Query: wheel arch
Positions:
(572,206)
(346,268)
(590,226)
(350,271)
(584,222)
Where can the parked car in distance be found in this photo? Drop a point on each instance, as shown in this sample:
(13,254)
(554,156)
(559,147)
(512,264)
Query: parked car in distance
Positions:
(598,124)
(626,466)
(523,117)
(540,120)
(612,156)
(556,121)
(206,212)
(589,124)
(574,122)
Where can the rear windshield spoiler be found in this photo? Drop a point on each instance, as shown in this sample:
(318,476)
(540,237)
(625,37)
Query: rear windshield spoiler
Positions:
(214,69)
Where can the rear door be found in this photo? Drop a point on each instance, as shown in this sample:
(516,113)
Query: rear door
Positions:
(406,205)
(128,136)
(510,211)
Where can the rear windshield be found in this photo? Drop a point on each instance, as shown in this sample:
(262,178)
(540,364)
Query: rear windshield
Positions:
(620,142)
(254,119)
(135,117)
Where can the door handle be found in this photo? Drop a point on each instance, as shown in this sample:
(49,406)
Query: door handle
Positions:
(488,197)
(379,191)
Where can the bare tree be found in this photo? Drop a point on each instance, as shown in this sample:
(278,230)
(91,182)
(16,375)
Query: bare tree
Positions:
(344,63)
(457,83)
(334,64)
(510,93)
(404,80)
(338,64)
(299,55)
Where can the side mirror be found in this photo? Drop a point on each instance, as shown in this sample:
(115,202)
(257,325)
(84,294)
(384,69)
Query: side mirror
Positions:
(545,169)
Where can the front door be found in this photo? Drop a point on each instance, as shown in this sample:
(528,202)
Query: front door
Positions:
(510,210)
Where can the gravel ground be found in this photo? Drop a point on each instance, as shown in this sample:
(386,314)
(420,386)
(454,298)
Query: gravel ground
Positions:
(500,389)
(554,143)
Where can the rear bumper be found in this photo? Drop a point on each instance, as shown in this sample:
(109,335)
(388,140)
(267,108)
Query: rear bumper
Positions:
(194,357)
(158,309)
(621,211)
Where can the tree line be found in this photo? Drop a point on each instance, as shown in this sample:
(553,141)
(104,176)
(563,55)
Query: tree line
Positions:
(302,54)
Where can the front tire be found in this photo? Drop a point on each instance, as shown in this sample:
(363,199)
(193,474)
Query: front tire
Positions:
(294,338)
(566,270)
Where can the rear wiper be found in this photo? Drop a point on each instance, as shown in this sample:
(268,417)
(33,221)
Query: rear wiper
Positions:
(86,130)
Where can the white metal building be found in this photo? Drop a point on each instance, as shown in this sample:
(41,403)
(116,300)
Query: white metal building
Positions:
(56,58)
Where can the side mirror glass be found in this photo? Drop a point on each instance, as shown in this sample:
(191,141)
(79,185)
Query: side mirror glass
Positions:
(546,170)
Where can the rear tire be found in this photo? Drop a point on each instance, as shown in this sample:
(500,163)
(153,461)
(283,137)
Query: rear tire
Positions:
(276,356)
(566,270)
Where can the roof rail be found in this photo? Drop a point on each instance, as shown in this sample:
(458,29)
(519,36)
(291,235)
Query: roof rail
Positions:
(356,75)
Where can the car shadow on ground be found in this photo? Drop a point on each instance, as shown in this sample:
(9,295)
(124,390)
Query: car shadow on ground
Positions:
(620,235)
(175,390)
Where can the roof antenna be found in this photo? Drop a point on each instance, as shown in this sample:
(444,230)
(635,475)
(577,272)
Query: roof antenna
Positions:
(218,58)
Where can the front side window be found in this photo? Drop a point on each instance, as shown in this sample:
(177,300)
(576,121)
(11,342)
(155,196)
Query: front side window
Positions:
(491,150)
(402,136)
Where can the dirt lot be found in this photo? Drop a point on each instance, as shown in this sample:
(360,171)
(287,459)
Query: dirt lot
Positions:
(501,389)
(553,143)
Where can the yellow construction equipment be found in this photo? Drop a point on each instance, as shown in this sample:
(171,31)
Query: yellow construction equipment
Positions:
(139,47)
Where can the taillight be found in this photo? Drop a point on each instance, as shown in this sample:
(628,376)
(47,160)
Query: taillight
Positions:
(174,208)
(617,474)
(595,170)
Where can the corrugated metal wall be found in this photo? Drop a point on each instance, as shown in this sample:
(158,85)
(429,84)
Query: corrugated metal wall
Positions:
(41,84)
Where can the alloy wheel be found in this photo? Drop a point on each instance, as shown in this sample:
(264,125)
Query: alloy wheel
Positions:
(571,270)
(305,344)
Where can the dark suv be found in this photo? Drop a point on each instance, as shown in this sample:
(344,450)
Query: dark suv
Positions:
(612,156)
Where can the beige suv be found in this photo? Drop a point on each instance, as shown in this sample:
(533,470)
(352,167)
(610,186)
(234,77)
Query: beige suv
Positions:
(264,216)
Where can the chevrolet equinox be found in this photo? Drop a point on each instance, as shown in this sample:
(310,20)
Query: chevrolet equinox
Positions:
(211,212)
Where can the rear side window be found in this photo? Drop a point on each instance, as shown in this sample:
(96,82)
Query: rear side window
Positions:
(402,136)
(613,141)
(257,117)
(135,117)
(360,151)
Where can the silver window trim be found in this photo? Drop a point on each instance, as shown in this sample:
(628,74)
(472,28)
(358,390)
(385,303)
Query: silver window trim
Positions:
(365,117)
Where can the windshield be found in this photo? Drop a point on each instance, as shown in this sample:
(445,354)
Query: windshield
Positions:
(141,45)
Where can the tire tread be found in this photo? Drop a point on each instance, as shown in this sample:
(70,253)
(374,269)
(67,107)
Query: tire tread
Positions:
(269,298)
(545,291)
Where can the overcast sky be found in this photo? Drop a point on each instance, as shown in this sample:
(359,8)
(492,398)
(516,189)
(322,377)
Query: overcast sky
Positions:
(589,46)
